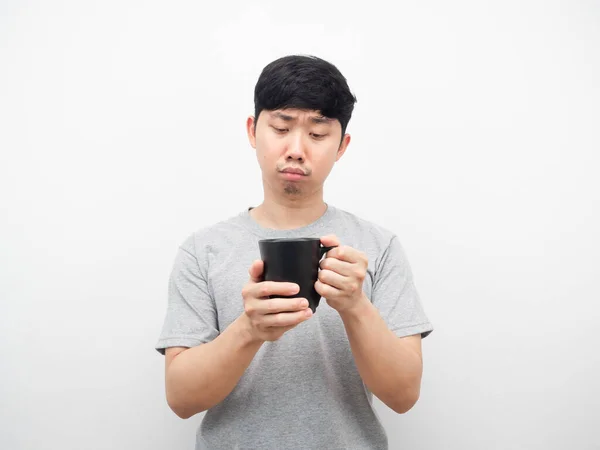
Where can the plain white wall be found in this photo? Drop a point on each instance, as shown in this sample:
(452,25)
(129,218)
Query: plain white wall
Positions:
(475,138)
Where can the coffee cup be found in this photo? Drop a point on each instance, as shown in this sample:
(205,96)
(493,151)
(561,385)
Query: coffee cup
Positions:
(294,260)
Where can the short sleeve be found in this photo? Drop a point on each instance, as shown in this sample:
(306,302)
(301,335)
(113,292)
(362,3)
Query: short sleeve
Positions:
(395,295)
(191,317)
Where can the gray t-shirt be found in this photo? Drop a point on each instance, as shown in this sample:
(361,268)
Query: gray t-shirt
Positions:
(304,390)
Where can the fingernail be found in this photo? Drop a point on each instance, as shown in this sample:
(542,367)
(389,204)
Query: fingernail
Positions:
(308,312)
(304,303)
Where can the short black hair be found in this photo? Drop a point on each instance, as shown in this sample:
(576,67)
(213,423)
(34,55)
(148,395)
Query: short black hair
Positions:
(307,83)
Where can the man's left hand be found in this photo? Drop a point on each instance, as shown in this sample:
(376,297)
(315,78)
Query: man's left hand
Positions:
(341,276)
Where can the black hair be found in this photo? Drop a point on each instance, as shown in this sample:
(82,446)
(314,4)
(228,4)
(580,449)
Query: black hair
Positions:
(307,83)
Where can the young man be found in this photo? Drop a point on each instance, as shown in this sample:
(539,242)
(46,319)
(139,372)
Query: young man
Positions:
(269,372)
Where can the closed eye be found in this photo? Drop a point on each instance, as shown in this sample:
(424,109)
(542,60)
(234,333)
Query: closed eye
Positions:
(279,130)
(318,136)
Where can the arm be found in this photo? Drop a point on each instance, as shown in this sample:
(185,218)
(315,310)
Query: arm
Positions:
(200,377)
(391,367)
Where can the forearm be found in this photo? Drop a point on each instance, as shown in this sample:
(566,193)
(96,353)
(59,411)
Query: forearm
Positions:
(201,377)
(392,371)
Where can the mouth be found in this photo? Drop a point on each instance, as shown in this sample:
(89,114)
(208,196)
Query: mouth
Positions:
(294,171)
(293,174)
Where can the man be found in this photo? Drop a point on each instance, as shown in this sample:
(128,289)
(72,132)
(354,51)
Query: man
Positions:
(269,372)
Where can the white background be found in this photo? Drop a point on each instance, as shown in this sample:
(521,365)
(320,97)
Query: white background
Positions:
(475,139)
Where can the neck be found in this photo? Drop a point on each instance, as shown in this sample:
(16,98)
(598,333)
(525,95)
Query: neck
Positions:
(286,213)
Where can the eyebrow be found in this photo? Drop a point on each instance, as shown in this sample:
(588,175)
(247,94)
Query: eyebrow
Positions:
(320,119)
(288,118)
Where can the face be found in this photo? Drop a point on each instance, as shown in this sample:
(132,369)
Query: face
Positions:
(296,149)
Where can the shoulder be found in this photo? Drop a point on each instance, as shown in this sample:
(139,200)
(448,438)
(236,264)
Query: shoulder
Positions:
(207,239)
(366,231)
(382,245)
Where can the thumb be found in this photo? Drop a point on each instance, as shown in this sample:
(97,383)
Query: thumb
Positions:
(330,240)
(256,271)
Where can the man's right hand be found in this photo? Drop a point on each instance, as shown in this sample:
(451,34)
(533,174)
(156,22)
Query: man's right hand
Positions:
(269,318)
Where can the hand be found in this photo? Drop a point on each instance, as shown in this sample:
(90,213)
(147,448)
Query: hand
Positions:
(341,276)
(269,318)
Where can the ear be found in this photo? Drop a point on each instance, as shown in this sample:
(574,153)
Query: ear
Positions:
(343,147)
(250,129)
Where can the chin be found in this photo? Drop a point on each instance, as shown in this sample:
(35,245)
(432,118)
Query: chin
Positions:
(292,189)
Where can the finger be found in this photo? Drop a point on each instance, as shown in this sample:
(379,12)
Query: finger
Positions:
(256,271)
(326,291)
(345,253)
(338,266)
(278,305)
(333,279)
(266,289)
(285,319)
(330,240)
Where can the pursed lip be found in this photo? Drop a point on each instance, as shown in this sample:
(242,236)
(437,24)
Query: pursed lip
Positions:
(293,170)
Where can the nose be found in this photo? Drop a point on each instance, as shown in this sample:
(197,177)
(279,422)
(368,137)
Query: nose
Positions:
(295,149)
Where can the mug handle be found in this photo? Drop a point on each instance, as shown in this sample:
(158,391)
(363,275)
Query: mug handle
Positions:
(326,249)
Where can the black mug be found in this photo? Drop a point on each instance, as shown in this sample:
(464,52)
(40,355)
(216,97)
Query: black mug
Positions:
(294,261)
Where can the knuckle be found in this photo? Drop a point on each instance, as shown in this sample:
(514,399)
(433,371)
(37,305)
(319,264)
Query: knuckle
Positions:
(275,321)
(248,308)
(280,320)
(263,290)
(271,306)
(245,292)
